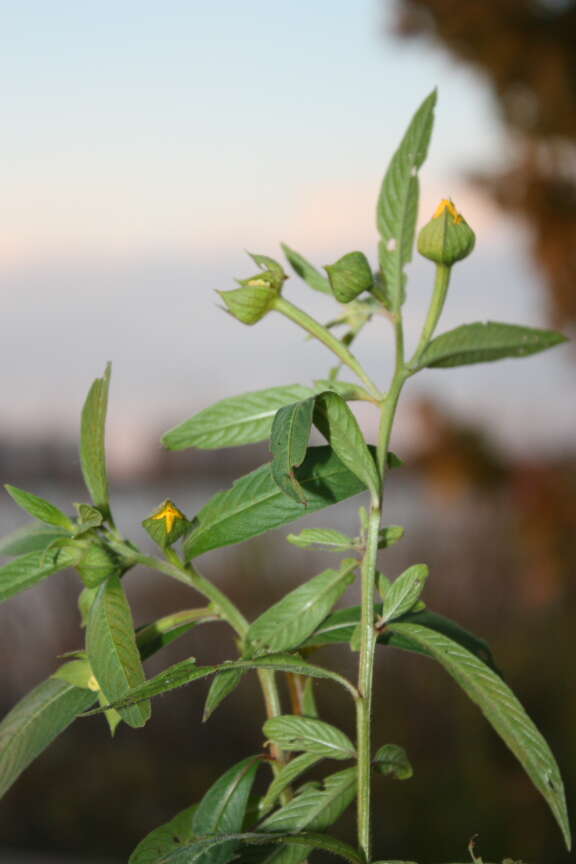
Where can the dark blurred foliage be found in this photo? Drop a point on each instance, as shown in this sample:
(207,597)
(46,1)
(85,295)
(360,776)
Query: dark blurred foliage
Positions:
(525,49)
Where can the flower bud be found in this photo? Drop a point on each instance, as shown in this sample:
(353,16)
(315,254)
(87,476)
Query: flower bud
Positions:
(97,562)
(447,237)
(167,524)
(254,299)
(350,276)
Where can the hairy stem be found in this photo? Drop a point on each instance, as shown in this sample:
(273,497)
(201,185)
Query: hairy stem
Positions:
(441,284)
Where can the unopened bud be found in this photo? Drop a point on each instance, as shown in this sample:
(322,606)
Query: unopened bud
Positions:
(350,276)
(167,524)
(254,299)
(447,237)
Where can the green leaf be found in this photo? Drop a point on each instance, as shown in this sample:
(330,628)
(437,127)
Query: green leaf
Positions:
(339,426)
(287,775)
(314,808)
(38,507)
(153,637)
(390,535)
(92,444)
(404,592)
(486,341)
(186,671)
(288,444)
(254,504)
(243,419)
(322,538)
(392,759)
(398,201)
(222,809)
(292,732)
(35,722)
(167,838)
(502,710)
(112,650)
(24,572)
(32,537)
(309,839)
(348,390)
(306,271)
(221,687)
(289,622)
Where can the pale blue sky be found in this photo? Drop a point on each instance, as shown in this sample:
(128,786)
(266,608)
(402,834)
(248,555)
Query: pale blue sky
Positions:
(146,144)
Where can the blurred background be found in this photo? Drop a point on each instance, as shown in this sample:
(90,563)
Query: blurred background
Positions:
(145,146)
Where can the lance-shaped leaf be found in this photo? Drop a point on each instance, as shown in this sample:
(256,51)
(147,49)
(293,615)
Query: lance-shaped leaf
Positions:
(255,504)
(243,419)
(39,508)
(186,671)
(502,710)
(322,538)
(392,759)
(287,775)
(155,636)
(32,537)
(294,733)
(398,201)
(306,271)
(289,622)
(27,570)
(288,444)
(220,688)
(404,592)
(486,341)
(315,808)
(92,442)
(112,649)
(35,722)
(337,423)
(203,846)
(167,838)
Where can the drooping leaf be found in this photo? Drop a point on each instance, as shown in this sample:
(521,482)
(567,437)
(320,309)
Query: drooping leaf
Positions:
(220,688)
(339,426)
(157,635)
(398,201)
(289,622)
(315,808)
(306,271)
(502,710)
(254,504)
(112,650)
(32,537)
(167,838)
(27,570)
(288,444)
(486,341)
(392,759)
(288,774)
(186,671)
(322,538)
(92,442)
(29,728)
(243,419)
(294,733)
(404,592)
(39,508)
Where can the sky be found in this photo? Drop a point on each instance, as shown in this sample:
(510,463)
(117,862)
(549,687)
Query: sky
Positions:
(146,146)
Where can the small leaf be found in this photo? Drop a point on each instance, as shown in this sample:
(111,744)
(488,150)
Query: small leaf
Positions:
(295,733)
(339,426)
(243,419)
(167,838)
(221,687)
(502,710)
(287,775)
(288,444)
(483,342)
(392,759)
(27,570)
(254,504)
(398,201)
(289,622)
(92,442)
(153,637)
(88,517)
(31,726)
(322,538)
(306,271)
(78,673)
(390,535)
(112,650)
(404,592)
(32,537)
(39,508)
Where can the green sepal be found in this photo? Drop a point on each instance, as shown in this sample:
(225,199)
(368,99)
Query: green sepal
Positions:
(167,524)
(250,303)
(272,270)
(89,517)
(350,276)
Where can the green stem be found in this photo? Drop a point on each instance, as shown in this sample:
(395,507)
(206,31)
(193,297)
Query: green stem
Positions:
(298,316)
(441,284)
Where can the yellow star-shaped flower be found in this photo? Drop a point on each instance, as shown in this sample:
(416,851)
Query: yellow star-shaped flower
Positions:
(170,513)
(447,204)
